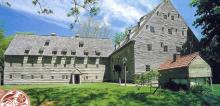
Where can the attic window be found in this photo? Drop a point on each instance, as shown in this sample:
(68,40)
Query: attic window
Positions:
(146,26)
(97,53)
(73,52)
(41,51)
(26,51)
(54,52)
(86,52)
(152,29)
(47,43)
(81,44)
(165,16)
(63,52)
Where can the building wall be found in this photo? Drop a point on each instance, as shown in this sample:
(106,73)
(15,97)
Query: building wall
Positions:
(199,68)
(161,38)
(15,68)
(116,59)
(172,74)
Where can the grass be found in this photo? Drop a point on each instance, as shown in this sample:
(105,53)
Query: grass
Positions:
(104,94)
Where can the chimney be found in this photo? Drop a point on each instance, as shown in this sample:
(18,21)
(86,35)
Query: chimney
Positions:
(77,36)
(175,56)
(53,34)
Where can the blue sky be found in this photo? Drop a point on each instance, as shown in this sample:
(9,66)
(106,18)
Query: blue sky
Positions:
(22,16)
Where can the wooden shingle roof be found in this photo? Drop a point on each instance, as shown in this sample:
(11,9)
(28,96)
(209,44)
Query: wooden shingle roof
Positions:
(183,61)
(57,43)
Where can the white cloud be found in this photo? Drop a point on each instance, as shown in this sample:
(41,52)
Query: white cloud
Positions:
(125,11)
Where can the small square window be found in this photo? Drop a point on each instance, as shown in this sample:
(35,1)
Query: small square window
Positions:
(47,43)
(152,29)
(73,53)
(64,65)
(64,52)
(22,76)
(10,76)
(26,51)
(81,44)
(169,31)
(172,17)
(96,77)
(41,77)
(86,53)
(161,44)
(165,16)
(54,52)
(178,49)
(52,77)
(41,51)
(182,32)
(32,76)
(87,77)
(147,67)
(149,47)
(165,48)
(162,28)
(147,26)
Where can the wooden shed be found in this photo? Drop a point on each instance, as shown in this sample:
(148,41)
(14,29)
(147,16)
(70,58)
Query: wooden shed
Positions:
(186,70)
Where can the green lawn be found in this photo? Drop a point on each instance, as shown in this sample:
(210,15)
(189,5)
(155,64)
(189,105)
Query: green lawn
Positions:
(104,94)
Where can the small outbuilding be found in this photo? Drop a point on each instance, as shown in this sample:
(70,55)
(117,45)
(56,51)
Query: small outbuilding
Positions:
(188,70)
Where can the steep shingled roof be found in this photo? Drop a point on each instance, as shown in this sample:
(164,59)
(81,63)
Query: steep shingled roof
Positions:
(34,43)
(183,61)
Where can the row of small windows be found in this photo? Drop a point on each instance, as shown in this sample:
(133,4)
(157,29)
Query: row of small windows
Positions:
(41,77)
(51,77)
(73,52)
(47,43)
(165,47)
(170,31)
(165,16)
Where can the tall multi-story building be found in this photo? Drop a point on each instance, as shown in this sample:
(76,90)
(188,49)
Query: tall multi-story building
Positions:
(52,59)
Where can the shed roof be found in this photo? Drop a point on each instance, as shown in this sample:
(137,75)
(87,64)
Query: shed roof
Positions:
(183,61)
(57,43)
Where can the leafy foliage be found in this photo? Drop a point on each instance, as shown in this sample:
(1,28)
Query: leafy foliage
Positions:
(119,37)
(208,13)
(4,42)
(91,7)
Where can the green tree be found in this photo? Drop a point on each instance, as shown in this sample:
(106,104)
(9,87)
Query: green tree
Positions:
(4,42)
(208,18)
(118,38)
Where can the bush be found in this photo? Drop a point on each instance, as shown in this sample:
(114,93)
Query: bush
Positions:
(201,90)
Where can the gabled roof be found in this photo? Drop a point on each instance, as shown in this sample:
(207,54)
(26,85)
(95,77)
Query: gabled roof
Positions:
(57,43)
(182,61)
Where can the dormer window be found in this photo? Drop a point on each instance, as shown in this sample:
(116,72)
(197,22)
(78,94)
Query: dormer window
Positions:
(81,44)
(73,52)
(86,52)
(54,52)
(64,52)
(41,51)
(47,43)
(26,51)
(98,53)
